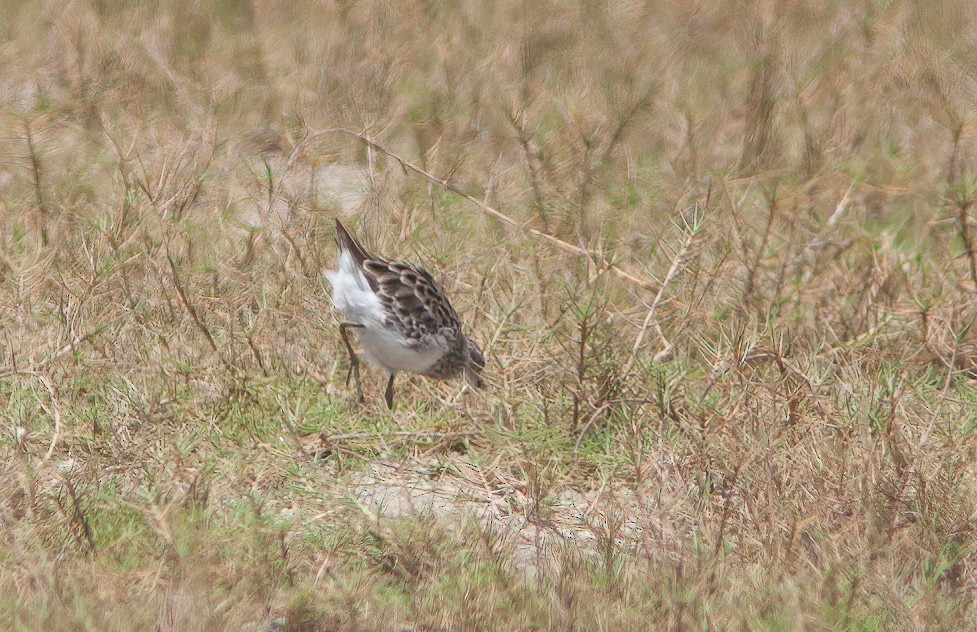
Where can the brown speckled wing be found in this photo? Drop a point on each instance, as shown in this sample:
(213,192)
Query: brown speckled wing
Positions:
(416,304)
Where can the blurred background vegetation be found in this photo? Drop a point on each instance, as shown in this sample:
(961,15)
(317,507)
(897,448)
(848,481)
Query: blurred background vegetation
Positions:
(769,425)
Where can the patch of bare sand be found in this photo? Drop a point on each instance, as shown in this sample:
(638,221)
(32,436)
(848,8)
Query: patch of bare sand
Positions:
(645,518)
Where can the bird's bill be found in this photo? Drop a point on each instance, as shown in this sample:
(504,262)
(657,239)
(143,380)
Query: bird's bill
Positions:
(474,378)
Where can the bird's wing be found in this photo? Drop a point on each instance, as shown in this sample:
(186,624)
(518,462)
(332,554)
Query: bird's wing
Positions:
(412,297)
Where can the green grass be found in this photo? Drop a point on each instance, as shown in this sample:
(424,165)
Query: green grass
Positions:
(790,445)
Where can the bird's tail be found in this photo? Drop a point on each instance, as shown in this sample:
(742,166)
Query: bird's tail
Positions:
(348,243)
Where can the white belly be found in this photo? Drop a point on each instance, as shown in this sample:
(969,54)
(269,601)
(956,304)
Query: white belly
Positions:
(390,351)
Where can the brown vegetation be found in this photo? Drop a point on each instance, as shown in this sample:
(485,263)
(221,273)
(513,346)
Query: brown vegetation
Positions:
(728,314)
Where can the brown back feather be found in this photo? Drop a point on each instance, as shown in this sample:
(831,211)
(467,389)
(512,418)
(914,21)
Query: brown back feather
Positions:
(408,292)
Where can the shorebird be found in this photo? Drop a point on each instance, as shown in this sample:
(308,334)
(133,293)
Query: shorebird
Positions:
(401,317)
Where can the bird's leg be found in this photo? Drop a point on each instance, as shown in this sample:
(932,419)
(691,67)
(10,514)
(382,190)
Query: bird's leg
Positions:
(389,393)
(354,362)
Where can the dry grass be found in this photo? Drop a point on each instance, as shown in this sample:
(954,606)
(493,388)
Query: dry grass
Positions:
(776,432)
